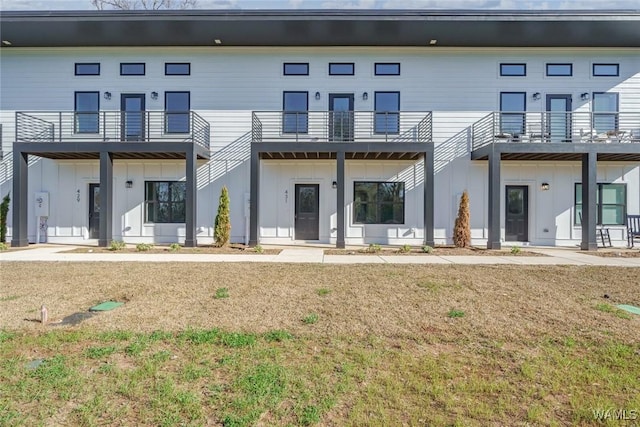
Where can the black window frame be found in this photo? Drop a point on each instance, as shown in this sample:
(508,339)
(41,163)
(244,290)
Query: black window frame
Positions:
(286,73)
(558,64)
(524,69)
(170,202)
(168,115)
(507,113)
(169,64)
(379,203)
(304,115)
(375,68)
(387,115)
(599,205)
(352,64)
(76,72)
(603,114)
(595,65)
(124,64)
(79,116)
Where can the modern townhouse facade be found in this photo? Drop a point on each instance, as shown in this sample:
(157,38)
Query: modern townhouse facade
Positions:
(338,127)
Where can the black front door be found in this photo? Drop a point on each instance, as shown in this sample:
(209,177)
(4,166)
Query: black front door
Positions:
(307,212)
(516,222)
(559,118)
(133,116)
(340,117)
(94,211)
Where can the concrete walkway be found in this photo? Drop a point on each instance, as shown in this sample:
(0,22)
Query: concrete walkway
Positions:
(555,256)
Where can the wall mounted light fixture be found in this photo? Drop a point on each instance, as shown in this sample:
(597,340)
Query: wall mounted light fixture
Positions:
(334,184)
(365,96)
(154,95)
(545,186)
(584,96)
(536,96)
(107,95)
(317,96)
(128,183)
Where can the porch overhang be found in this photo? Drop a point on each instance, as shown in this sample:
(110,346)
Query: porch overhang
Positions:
(352,150)
(615,152)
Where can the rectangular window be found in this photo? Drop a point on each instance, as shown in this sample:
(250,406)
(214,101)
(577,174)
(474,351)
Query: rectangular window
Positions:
(177,69)
(512,108)
(560,70)
(378,202)
(87,116)
(295,114)
(606,70)
(83,69)
(605,112)
(611,204)
(176,107)
(341,69)
(130,69)
(165,201)
(387,69)
(513,69)
(295,69)
(387,116)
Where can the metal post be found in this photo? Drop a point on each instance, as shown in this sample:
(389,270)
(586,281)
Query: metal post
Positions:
(20,184)
(493,241)
(106,199)
(429,202)
(254,198)
(191,207)
(589,207)
(340,240)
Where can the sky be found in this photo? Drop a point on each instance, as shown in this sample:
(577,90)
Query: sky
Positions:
(350,4)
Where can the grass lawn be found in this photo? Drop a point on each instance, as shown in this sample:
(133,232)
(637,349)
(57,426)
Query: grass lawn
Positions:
(296,344)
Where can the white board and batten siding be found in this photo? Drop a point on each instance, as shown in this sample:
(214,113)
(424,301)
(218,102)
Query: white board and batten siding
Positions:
(460,86)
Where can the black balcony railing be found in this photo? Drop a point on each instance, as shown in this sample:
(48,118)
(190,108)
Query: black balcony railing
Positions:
(341,126)
(112,126)
(557,127)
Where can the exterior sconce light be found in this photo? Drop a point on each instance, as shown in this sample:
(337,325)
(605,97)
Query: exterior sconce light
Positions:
(128,183)
(584,96)
(154,95)
(545,186)
(107,96)
(317,96)
(536,96)
(334,184)
(365,96)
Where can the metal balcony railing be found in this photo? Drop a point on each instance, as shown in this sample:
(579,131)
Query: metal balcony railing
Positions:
(112,126)
(557,127)
(341,126)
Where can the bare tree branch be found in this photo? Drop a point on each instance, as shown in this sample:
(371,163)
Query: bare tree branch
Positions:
(143,4)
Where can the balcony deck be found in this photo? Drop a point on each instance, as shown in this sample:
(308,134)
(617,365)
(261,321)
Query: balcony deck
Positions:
(557,136)
(128,135)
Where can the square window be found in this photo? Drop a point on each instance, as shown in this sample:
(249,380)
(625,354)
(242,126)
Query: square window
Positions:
(341,69)
(606,70)
(378,202)
(83,69)
(165,201)
(177,69)
(513,69)
(560,70)
(295,69)
(130,69)
(387,69)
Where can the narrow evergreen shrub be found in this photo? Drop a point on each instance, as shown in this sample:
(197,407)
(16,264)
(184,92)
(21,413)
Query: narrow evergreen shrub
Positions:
(462,227)
(222,229)
(4,211)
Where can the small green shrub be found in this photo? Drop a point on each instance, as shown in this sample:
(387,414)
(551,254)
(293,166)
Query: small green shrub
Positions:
(222,226)
(175,247)
(222,293)
(404,249)
(258,249)
(310,319)
(116,245)
(4,246)
(515,250)
(144,247)
(323,291)
(373,248)
(277,336)
(453,313)
(427,249)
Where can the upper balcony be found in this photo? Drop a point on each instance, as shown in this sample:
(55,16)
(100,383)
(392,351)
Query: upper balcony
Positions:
(341,127)
(140,134)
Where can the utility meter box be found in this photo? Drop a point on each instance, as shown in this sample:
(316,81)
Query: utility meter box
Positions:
(42,204)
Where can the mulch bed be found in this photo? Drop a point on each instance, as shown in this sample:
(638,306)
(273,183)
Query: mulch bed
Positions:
(437,251)
(233,248)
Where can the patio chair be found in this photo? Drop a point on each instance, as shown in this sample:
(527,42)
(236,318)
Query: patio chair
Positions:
(633,229)
(603,232)
(535,133)
(634,135)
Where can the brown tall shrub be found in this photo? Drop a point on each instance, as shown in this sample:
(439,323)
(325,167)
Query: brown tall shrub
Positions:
(462,227)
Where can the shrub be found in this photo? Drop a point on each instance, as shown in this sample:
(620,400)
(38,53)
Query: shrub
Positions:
(404,249)
(175,247)
(462,227)
(258,249)
(116,245)
(310,319)
(222,229)
(143,247)
(373,248)
(3,246)
(222,293)
(427,249)
(4,212)
(515,250)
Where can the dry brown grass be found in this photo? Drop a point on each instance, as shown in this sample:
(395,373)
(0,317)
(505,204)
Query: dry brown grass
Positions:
(616,253)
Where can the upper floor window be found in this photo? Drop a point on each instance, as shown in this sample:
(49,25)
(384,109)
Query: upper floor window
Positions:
(86,116)
(513,69)
(560,70)
(387,69)
(84,69)
(295,69)
(132,69)
(605,112)
(512,116)
(341,69)
(295,115)
(606,70)
(176,107)
(177,69)
(387,117)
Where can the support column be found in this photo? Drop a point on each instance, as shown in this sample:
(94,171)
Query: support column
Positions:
(589,190)
(429,202)
(191,206)
(106,199)
(19,196)
(340,242)
(493,241)
(254,197)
